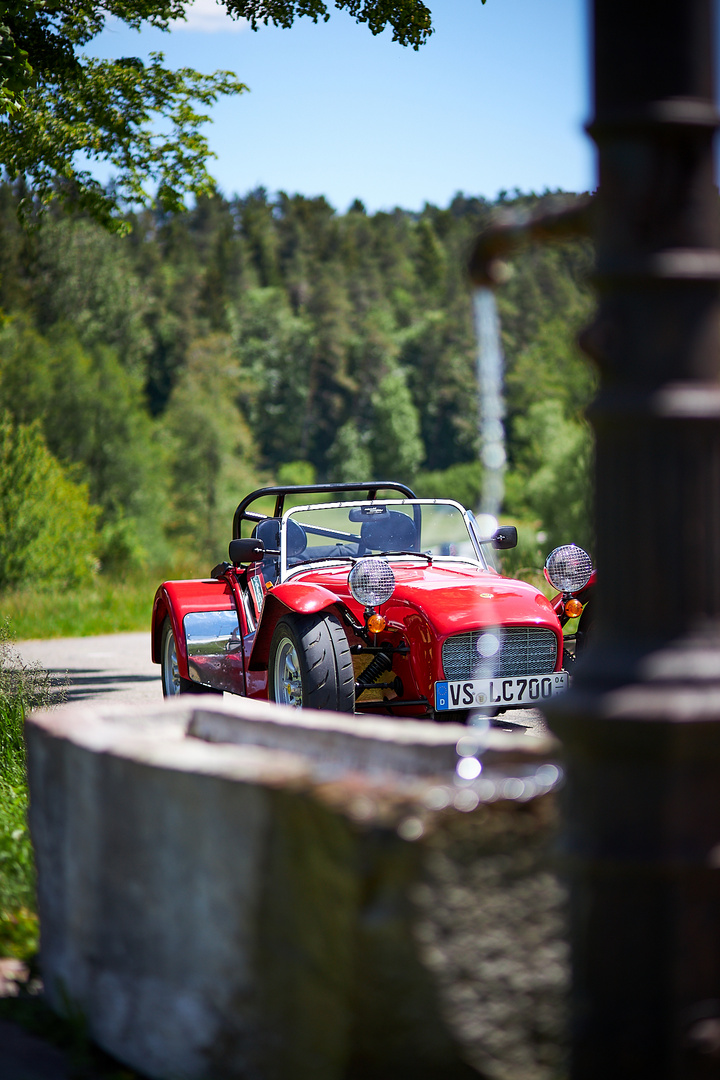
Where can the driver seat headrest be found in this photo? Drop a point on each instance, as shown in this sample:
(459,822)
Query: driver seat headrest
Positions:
(389,532)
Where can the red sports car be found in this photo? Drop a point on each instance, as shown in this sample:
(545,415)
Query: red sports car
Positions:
(360,603)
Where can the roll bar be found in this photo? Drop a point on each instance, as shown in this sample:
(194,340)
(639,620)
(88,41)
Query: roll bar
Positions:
(371,487)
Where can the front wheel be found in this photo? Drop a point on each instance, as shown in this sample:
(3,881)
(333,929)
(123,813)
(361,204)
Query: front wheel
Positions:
(172,681)
(310,664)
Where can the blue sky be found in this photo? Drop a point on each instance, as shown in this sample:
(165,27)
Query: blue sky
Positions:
(496,100)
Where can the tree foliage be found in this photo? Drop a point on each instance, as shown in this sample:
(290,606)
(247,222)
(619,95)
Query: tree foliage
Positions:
(93,415)
(410,20)
(142,118)
(395,445)
(266,337)
(57,104)
(47,525)
(210,449)
(349,459)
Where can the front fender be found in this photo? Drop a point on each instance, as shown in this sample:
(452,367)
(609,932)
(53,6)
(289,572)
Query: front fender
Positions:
(305,599)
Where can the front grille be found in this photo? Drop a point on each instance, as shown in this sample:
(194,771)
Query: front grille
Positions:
(524,650)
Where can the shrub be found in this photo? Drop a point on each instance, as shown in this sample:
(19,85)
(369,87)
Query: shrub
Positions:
(552,483)
(45,518)
(461,482)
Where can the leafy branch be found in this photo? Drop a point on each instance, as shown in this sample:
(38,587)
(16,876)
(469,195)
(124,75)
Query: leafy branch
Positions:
(59,105)
(410,19)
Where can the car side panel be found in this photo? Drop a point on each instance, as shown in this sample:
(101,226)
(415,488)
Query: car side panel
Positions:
(176,599)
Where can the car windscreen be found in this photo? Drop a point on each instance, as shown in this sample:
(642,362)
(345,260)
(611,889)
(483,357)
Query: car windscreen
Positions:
(356,530)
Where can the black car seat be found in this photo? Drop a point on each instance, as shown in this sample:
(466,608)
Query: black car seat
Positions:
(296,540)
(389,532)
(269,532)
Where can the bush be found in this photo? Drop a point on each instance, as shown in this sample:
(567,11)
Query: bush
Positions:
(552,482)
(525,561)
(461,482)
(296,474)
(45,518)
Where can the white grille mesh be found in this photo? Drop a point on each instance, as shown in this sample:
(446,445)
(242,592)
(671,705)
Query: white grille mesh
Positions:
(372,582)
(523,651)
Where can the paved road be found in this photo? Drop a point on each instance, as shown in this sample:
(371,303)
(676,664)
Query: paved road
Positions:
(114,667)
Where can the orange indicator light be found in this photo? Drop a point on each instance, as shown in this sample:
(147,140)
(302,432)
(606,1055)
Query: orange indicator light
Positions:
(376,623)
(573,608)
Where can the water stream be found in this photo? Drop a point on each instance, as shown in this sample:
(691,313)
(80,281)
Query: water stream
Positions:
(492,407)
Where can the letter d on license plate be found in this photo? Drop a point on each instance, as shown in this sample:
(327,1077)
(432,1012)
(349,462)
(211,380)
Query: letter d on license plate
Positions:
(498,693)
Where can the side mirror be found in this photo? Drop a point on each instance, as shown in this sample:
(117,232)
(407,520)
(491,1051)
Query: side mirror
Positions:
(505,537)
(247,550)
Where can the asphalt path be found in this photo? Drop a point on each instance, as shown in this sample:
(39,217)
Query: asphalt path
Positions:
(113,667)
(118,668)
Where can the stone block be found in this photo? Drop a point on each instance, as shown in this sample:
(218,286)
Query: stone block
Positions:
(234,891)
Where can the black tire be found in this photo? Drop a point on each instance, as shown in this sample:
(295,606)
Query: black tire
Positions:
(310,664)
(172,681)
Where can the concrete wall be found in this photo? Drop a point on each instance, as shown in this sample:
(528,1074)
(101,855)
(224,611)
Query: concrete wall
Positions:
(241,891)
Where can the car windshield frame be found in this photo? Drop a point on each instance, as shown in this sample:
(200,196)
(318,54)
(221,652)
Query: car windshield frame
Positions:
(478,559)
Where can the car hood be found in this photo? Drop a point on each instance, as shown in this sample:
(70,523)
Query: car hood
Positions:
(452,598)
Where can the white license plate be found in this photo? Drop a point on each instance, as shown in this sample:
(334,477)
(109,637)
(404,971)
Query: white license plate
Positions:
(498,693)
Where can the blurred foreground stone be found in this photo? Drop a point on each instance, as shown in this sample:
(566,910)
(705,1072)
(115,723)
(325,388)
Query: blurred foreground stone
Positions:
(234,890)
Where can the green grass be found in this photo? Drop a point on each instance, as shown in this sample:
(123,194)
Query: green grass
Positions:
(21,686)
(18,921)
(107,606)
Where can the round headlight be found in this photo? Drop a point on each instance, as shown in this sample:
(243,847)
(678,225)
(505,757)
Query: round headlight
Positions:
(371,582)
(568,568)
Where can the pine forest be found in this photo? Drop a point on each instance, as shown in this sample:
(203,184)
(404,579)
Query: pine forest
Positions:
(149,380)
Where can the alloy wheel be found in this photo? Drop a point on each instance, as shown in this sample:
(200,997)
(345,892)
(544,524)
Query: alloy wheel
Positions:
(171,673)
(286,675)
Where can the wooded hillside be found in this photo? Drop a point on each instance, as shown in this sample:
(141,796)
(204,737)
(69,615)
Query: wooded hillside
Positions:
(147,381)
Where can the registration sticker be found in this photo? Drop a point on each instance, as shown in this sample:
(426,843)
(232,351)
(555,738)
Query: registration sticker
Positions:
(257,588)
(519,690)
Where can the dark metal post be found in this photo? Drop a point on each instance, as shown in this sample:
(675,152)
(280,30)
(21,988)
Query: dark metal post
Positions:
(642,724)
